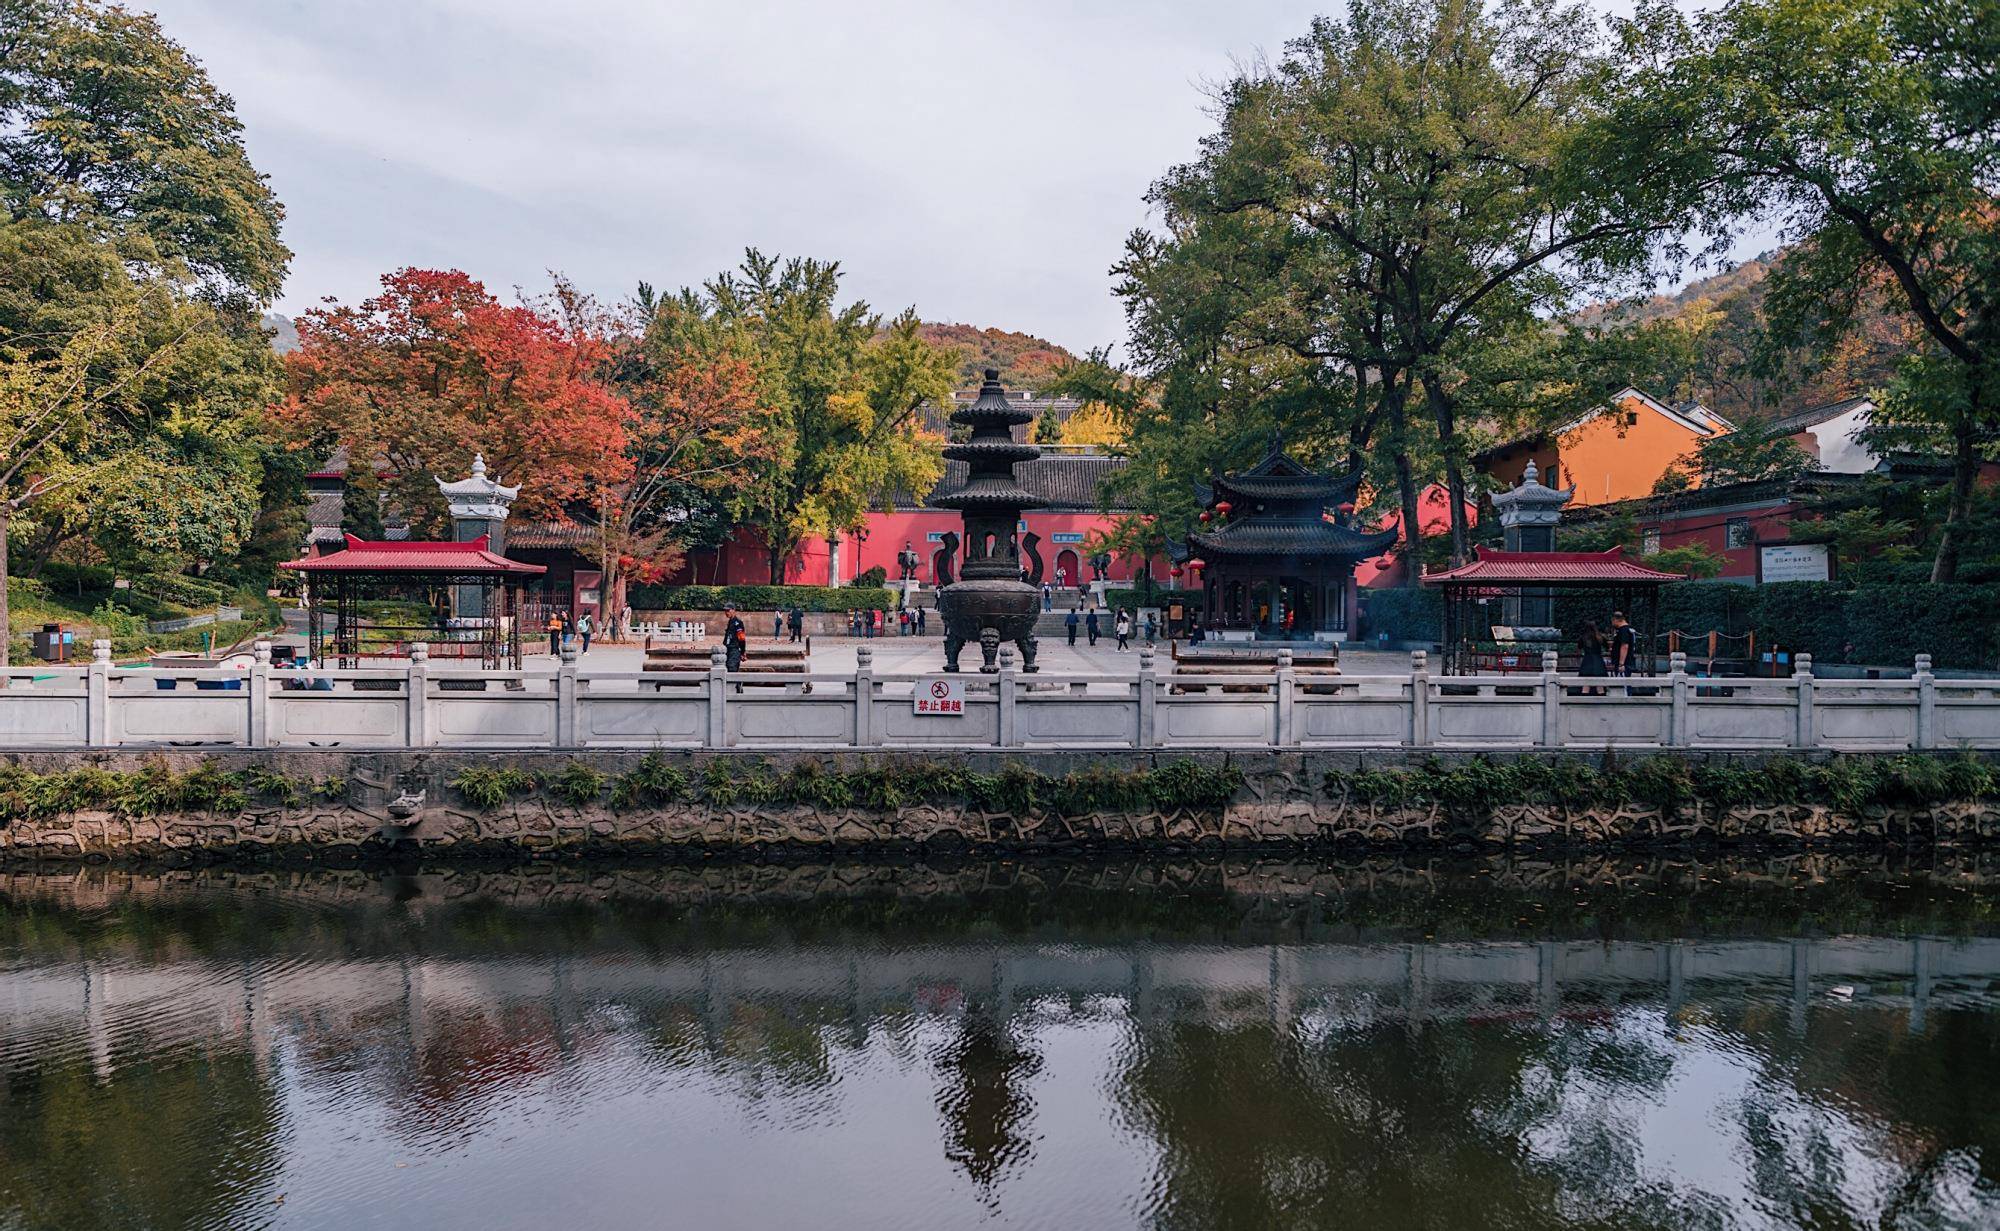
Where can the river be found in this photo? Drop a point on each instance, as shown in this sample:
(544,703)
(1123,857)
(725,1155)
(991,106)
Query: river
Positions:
(1610,1042)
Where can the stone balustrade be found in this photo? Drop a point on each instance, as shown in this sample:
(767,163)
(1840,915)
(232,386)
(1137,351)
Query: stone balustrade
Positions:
(413,705)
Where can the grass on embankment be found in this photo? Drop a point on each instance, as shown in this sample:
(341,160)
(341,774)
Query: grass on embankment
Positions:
(92,611)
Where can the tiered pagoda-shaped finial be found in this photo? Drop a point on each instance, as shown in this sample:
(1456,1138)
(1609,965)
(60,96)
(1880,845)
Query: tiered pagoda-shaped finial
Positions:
(991,596)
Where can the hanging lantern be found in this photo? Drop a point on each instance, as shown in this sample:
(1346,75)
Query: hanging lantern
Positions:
(1223,507)
(1197,564)
(1176,570)
(1204,517)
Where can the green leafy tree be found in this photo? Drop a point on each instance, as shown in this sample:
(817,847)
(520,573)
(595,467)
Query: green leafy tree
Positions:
(1750,454)
(108,123)
(1872,129)
(839,391)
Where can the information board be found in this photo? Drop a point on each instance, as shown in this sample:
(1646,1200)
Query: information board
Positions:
(1794,562)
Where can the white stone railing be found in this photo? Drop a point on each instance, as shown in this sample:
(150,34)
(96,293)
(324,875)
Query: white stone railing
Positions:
(408,705)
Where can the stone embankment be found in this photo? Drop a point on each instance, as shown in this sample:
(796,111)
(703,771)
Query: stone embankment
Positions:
(330,805)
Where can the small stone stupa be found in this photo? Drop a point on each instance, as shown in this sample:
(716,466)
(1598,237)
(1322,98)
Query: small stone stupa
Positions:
(478,506)
(993,599)
(1529,515)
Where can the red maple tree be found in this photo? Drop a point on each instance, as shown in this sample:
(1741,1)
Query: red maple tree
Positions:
(414,381)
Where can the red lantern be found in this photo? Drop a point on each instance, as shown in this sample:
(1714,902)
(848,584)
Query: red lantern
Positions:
(1347,509)
(1175,570)
(1223,507)
(1197,564)
(1204,517)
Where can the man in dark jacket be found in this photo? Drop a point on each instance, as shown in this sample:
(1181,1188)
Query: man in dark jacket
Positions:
(1090,625)
(735,639)
(1070,622)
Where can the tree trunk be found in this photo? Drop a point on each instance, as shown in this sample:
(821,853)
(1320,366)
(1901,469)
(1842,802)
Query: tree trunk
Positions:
(1445,414)
(776,556)
(1395,400)
(6,614)
(1964,469)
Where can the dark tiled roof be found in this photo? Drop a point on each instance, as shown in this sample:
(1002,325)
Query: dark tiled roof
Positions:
(1271,536)
(324,508)
(1813,416)
(1060,481)
(550,536)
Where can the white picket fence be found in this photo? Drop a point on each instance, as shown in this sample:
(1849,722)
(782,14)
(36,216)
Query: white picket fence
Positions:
(412,705)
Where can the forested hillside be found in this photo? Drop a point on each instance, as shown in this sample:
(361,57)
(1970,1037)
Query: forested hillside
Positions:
(1706,335)
(1024,360)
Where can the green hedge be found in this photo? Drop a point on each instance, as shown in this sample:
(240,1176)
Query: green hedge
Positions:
(758,598)
(1405,613)
(1885,625)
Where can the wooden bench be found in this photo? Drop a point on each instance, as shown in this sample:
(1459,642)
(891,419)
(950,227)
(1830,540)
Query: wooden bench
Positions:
(1309,664)
(760,657)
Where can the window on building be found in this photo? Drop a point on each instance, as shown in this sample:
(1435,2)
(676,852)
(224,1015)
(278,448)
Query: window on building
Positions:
(1736,533)
(1649,542)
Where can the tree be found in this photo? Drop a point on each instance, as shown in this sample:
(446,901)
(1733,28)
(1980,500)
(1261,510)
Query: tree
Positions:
(692,438)
(49,404)
(839,392)
(1750,454)
(419,378)
(108,123)
(1872,129)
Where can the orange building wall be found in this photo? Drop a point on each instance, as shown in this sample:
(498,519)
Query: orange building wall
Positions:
(1608,460)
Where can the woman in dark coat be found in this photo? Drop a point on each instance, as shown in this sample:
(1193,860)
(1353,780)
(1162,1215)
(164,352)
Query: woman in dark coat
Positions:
(1590,656)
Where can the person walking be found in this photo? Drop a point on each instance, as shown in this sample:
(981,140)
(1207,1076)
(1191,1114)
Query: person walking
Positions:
(735,639)
(584,627)
(568,629)
(1152,626)
(1590,656)
(875,623)
(777,625)
(1090,626)
(1070,623)
(798,622)
(554,629)
(1196,634)
(1048,598)
(903,622)
(1122,626)
(920,621)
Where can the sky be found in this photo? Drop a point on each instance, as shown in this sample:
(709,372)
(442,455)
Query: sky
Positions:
(981,162)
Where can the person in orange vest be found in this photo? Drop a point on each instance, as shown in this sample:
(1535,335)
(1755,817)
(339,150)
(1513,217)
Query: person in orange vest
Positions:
(555,629)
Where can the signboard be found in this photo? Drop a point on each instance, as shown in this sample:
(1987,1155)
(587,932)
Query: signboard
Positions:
(1794,562)
(939,696)
(1066,536)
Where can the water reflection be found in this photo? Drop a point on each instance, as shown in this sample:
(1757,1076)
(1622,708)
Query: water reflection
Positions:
(1810,1041)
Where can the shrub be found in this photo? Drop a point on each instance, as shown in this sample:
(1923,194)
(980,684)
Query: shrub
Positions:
(1808,617)
(1406,613)
(487,787)
(871,579)
(759,598)
(1955,624)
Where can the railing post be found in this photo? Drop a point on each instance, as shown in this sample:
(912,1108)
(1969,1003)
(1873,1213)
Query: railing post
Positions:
(718,692)
(1926,703)
(1552,735)
(1288,735)
(260,694)
(1009,737)
(1149,700)
(566,698)
(1802,678)
(1677,717)
(1420,699)
(97,696)
(417,696)
(864,697)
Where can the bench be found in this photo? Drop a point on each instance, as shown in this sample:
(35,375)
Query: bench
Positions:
(760,657)
(1316,663)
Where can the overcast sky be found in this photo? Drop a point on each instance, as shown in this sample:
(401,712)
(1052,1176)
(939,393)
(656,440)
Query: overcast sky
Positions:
(983,162)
